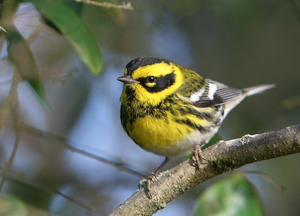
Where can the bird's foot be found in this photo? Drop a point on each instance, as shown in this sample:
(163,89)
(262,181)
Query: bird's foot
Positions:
(146,183)
(197,158)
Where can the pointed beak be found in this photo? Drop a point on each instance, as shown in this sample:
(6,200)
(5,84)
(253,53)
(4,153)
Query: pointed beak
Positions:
(127,80)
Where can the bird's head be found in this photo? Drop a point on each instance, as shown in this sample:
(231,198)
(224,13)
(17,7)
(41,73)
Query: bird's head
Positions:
(150,80)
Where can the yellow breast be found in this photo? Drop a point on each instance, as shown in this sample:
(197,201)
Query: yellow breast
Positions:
(162,135)
(157,134)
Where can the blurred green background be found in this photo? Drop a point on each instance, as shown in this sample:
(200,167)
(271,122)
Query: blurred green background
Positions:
(237,42)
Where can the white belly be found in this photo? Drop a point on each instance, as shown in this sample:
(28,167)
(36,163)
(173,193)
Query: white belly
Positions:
(186,146)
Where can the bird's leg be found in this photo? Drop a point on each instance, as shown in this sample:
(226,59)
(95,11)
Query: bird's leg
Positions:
(150,178)
(160,167)
(197,158)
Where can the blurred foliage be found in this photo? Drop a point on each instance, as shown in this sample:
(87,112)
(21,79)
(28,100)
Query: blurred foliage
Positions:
(183,8)
(15,207)
(232,196)
(291,103)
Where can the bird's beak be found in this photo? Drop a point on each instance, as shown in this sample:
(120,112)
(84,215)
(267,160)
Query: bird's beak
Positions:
(127,80)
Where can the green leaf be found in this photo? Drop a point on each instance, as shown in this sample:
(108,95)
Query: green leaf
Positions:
(233,196)
(22,58)
(14,207)
(75,31)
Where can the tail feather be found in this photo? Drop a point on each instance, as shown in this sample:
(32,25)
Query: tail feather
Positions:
(257,89)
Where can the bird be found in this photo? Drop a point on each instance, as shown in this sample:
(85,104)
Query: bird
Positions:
(170,110)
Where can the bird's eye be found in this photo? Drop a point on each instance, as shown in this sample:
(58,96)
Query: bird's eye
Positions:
(150,79)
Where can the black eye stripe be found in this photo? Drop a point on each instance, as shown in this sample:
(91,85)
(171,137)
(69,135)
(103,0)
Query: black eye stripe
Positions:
(162,82)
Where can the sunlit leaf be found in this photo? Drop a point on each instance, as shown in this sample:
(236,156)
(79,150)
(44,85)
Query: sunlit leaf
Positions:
(74,30)
(233,196)
(77,7)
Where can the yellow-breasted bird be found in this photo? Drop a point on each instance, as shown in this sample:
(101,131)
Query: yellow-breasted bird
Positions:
(170,110)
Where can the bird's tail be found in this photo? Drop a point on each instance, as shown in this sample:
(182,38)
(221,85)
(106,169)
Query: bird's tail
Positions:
(257,89)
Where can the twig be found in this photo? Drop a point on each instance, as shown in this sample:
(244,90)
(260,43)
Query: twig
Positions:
(24,182)
(12,95)
(108,4)
(17,122)
(8,165)
(56,140)
(224,156)
(2,29)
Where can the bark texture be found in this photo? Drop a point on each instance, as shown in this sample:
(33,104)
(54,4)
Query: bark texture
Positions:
(224,156)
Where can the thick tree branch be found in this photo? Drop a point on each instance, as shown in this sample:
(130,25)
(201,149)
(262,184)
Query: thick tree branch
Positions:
(224,156)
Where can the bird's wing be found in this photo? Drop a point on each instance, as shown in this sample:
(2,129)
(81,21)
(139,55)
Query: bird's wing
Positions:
(215,93)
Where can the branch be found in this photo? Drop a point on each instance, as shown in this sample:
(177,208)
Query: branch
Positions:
(63,142)
(224,156)
(108,4)
(2,29)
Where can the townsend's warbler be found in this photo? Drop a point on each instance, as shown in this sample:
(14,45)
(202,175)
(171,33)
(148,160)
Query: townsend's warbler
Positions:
(168,109)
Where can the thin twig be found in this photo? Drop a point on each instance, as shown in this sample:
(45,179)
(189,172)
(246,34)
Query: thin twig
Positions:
(108,4)
(3,29)
(57,140)
(22,181)
(6,108)
(16,113)
(8,165)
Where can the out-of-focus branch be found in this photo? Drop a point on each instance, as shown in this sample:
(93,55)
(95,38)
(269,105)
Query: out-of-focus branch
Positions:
(12,97)
(2,29)
(108,4)
(224,156)
(63,142)
(16,113)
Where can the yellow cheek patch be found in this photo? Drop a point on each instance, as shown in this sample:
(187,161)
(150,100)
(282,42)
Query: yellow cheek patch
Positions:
(150,84)
(154,98)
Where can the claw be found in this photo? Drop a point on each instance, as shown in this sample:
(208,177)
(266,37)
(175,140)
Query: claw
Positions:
(142,183)
(197,158)
(145,183)
(150,178)
(147,189)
